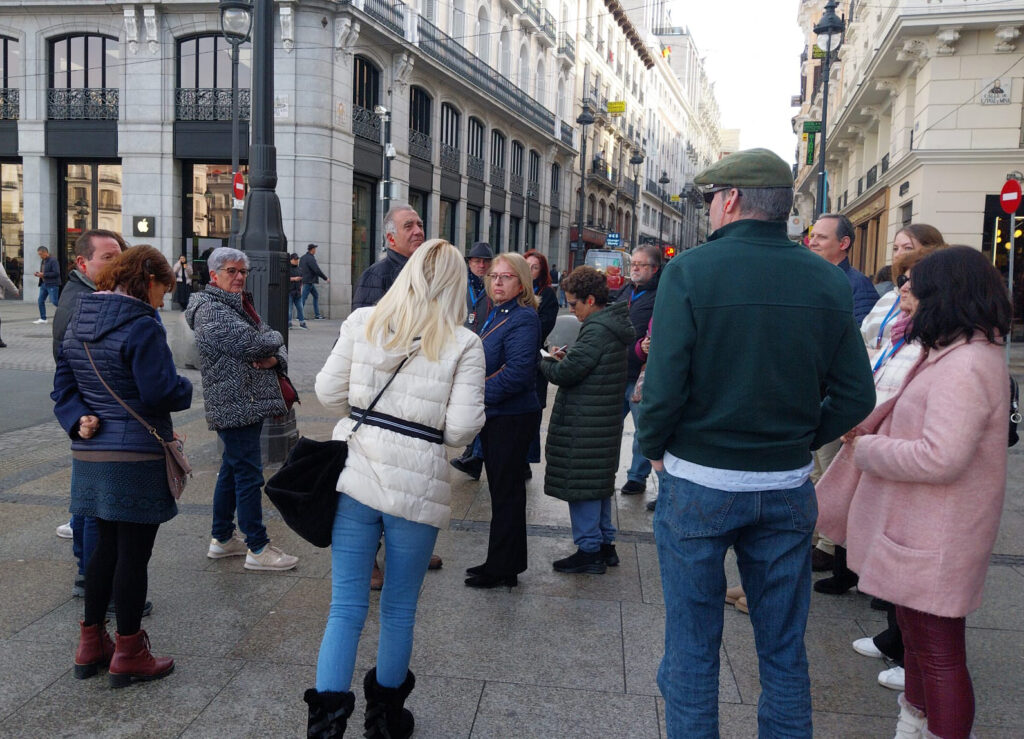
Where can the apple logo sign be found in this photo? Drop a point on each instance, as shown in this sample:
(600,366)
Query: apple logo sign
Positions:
(143,225)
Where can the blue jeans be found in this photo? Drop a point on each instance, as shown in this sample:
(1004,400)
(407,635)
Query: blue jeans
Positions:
(47,291)
(357,529)
(640,466)
(240,487)
(295,307)
(83,540)
(308,290)
(771,533)
(591,523)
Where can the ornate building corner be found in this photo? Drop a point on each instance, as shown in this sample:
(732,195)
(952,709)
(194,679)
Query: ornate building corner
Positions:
(131,30)
(346,32)
(403,69)
(946,38)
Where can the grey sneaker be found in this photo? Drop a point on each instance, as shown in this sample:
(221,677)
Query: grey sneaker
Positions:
(64,531)
(233,547)
(271,558)
(304,326)
(78,589)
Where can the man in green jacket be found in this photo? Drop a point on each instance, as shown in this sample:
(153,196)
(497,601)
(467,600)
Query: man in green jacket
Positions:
(755,360)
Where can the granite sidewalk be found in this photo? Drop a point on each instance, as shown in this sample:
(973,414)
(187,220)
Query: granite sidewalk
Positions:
(559,656)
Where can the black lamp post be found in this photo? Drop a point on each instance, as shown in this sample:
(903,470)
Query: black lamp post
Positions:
(235,24)
(636,161)
(584,119)
(663,180)
(829,31)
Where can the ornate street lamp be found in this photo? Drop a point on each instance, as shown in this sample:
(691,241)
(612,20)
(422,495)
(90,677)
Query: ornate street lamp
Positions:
(829,31)
(235,24)
(584,119)
(663,180)
(636,161)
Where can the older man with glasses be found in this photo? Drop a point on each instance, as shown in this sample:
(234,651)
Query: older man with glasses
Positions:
(240,357)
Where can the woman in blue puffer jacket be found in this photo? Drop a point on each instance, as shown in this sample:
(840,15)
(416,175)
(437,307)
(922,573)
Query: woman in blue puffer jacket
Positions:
(118,473)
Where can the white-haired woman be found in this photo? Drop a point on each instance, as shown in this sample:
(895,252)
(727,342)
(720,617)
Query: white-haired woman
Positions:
(395,479)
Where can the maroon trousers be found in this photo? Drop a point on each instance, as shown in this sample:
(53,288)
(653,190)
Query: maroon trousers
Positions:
(937,681)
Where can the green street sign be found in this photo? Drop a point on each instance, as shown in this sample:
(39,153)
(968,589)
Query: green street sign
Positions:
(810,149)
(812,126)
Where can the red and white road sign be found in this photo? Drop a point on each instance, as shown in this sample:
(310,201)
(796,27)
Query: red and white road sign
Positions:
(238,186)
(1010,196)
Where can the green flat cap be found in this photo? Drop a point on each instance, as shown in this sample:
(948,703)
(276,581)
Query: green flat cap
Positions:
(748,168)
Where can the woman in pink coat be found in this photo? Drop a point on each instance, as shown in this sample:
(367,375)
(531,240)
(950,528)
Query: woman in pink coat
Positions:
(917,490)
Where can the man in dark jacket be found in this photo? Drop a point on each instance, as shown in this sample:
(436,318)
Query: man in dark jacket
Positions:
(403,232)
(645,272)
(478,304)
(295,291)
(311,275)
(755,360)
(831,239)
(49,281)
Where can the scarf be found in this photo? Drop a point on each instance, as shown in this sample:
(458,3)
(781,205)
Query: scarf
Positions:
(901,328)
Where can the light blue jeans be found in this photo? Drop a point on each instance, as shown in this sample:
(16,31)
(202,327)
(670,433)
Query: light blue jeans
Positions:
(51,292)
(591,523)
(357,529)
(640,466)
(771,533)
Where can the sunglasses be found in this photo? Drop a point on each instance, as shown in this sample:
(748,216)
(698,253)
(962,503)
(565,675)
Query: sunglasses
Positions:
(902,280)
(709,194)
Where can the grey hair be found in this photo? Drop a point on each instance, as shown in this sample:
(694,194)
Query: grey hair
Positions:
(766,203)
(652,251)
(844,226)
(389,217)
(224,254)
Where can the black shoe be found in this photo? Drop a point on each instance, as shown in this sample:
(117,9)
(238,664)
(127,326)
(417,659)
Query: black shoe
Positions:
(2,344)
(478,570)
(652,504)
(877,604)
(328,712)
(610,557)
(386,714)
(483,580)
(590,563)
(527,473)
(821,561)
(843,577)
(632,487)
(146,610)
(472,466)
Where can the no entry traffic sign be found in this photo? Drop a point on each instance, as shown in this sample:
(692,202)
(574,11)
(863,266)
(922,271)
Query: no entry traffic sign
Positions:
(1010,196)
(238,186)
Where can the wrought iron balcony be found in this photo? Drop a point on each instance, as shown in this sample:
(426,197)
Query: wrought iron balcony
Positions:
(475,167)
(366,124)
(497,176)
(533,190)
(512,6)
(515,184)
(208,104)
(531,18)
(567,47)
(588,32)
(885,164)
(451,158)
(566,134)
(391,14)
(82,104)
(9,107)
(548,28)
(872,176)
(421,145)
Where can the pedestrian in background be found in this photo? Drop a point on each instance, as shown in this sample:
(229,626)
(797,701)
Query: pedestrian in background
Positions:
(395,480)
(240,356)
(6,288)
(49,281)
(918,489)
(311,275)
(117,344)
(295,292)
(585,428)
(547,310)
(182,281)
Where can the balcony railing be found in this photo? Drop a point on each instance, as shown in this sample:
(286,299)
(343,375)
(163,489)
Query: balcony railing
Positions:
(9,107)
(885,164)
(872,177)
(533,190)
(366,124)
(588,32)
(549,26)
(208,104)
(515,184)
(421,145)
(390,14)
(475,167)
(566,134)
(533,11)
(82,104)
(567,47)
(497,176)
(451,158)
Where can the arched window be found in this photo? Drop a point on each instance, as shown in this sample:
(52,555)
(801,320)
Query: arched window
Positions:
(524,69)
(540,93)
(365,97)
(591,207)
(560,102)
(203,79)
(458,20)
(451,156)
(481,40)
(83,77)
(10,78)
(505,53)
(420,107)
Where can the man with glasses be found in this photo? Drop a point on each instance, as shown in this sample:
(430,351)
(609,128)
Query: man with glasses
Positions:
(240,357)
(755,360)
(644,271)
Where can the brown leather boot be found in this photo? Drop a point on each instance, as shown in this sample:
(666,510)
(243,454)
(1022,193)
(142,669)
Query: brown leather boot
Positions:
(95,648)
(132,660)
(376,577)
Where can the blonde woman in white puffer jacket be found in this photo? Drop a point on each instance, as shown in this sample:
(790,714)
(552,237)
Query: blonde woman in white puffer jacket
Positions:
(396,476)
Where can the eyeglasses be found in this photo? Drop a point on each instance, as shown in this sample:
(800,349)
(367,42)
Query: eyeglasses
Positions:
(709,194)
(502,277)
(902,280)
(232,271)
(641,265)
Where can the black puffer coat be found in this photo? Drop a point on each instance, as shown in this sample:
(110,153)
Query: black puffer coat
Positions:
(585,429)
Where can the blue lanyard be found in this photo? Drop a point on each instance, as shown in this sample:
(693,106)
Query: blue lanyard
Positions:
(886,356)
(634,295)
(490,317)
(885,321)
(474,296)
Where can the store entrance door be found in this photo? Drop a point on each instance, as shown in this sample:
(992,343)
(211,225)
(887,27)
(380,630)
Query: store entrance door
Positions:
(90,198)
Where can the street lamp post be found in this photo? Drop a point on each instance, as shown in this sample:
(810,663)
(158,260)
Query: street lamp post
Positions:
(584,119)
(829,31)
(235,24)
(663,180)
(636,161)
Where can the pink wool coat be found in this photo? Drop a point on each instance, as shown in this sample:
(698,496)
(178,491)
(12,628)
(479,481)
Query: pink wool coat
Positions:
(918,498)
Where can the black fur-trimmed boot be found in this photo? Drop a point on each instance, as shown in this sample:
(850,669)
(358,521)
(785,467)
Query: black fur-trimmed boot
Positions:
(386,715)
(328,713)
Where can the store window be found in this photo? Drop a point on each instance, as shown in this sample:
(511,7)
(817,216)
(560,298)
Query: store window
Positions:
(10,78)
(472,227)
(446,219)
(494,237)
(419,201)
(12,221)
(514,231)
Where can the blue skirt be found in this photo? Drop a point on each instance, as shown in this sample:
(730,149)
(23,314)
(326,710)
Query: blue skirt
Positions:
(135,492)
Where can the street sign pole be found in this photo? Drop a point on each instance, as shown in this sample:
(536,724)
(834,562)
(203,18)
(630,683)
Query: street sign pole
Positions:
(1009,200)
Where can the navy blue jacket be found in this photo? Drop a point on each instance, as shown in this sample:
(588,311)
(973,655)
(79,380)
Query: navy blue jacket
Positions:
(377,279)
(129,345)
(478,309)
(51,272)
(641,308)
(864,293)
(511,349)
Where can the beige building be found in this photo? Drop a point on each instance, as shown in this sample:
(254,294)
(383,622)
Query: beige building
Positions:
(924,120)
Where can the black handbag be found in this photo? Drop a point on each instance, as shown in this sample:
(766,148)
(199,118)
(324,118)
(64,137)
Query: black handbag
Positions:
(304,490)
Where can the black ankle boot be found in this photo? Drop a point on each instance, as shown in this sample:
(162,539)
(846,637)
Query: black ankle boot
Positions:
(843,578)
(328,713)
(386,716)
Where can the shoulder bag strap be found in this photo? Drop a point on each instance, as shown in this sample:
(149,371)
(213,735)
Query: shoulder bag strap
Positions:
(370,407)
(116,397)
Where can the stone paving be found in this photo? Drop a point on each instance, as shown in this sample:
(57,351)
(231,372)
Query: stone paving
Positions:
(559,656)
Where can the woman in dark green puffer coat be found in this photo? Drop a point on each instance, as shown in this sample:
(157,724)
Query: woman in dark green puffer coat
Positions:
(585,428)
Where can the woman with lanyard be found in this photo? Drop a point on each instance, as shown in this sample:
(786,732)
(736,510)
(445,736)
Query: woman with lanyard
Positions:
(511,337)
(548,312)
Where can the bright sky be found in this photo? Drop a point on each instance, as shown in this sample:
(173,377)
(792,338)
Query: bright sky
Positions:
(751,52)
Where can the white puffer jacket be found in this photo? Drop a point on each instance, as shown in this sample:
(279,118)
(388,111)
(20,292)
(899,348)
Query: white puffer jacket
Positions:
(392,473)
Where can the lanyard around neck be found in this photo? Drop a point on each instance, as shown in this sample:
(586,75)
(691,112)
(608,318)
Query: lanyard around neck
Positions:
(885,321)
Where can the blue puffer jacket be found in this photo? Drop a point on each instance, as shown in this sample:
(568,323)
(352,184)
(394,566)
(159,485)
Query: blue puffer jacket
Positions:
(511,343)
(129,345)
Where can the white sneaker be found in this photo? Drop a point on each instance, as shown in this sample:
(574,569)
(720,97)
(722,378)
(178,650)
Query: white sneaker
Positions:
(233,547)
(64,531)
(39,320)
(271,558)
(893,678)
(866,646)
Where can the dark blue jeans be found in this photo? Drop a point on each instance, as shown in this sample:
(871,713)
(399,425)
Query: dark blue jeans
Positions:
(295,306)
(47,291)
(308,290)
(83,540)
(771,533)
(240,487)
